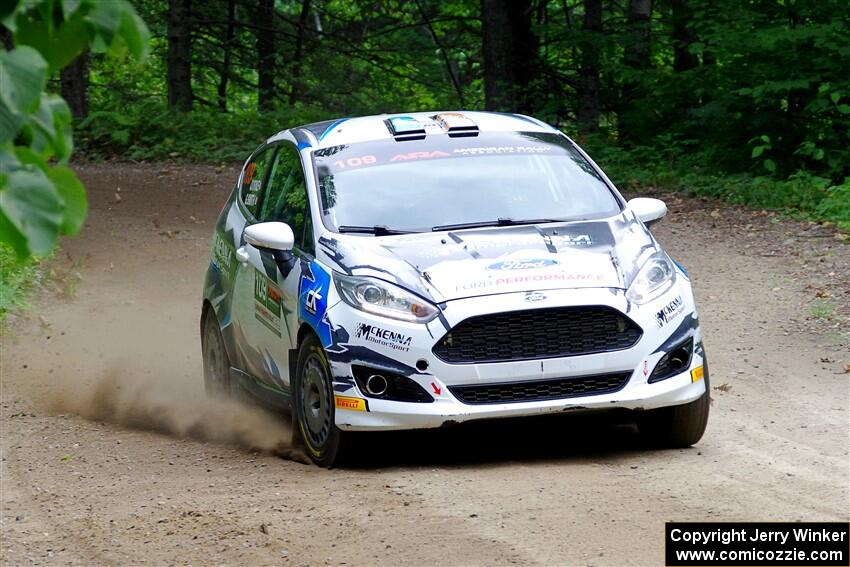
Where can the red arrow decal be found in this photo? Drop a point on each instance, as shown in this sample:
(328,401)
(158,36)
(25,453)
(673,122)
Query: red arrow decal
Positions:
(437,389)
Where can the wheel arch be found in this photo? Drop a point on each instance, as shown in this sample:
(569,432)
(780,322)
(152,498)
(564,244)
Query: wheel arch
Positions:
(208,310)
(304,330)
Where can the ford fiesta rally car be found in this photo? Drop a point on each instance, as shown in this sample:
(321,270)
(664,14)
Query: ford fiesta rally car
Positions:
(410,271)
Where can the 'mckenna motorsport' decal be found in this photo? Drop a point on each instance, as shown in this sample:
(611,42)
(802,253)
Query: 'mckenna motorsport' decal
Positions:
(669,311)
(385,337)
(267,302)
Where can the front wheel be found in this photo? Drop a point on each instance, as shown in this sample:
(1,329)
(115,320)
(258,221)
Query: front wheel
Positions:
(678,426)
(216,362)
(313,404)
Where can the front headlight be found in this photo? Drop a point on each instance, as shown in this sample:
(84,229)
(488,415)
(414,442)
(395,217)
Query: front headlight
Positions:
(653,279)
(383,298)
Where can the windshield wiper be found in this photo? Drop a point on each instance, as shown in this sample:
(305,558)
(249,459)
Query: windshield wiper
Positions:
(377,230)
(497,222)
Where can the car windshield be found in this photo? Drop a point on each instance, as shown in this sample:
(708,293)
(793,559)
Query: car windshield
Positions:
(423,185)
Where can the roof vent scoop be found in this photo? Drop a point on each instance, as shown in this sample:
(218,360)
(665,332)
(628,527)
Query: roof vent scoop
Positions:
(456,125)
(405,128)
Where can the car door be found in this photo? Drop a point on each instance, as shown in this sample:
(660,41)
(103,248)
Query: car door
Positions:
(267,281)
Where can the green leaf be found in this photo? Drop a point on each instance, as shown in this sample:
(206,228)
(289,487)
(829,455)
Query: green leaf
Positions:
(7,7)
(67,42)
(23,75)
(25,156)
(31,211)
(835,96)
(106,19)
(8,161)
(74,195)
(844,108)
(70,6)
(10,122)
(757,151)
(770,165)
(134,32)
(52,128)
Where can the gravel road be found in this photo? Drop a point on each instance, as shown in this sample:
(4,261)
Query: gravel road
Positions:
(111,455)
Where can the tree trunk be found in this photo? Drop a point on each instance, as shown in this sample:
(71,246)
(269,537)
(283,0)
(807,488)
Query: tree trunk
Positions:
(74,85)
(179,58)
(265,55)
(525,55)
(683,37)
(510,54)
(228,52)
(297,87)
(587,114)
(636,56)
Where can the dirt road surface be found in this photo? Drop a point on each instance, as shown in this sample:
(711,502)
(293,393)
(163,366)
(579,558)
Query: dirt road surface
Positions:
(111,455)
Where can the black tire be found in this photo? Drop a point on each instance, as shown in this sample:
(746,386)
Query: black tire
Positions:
(313,405)
(216,361)
(678,426)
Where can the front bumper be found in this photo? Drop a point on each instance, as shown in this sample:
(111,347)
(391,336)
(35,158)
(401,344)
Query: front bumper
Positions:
(397,353)
(388,415)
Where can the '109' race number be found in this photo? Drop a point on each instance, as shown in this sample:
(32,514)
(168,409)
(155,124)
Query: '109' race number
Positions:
(355,161)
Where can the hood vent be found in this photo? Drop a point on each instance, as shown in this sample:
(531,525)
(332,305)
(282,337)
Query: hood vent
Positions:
(456,125)
(405,128)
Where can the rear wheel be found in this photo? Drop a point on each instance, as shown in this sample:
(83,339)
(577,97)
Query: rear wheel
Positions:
(216,362)
(313,405)
(678,426)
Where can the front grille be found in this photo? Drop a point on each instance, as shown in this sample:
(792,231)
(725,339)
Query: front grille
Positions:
(538,333)
(537,390)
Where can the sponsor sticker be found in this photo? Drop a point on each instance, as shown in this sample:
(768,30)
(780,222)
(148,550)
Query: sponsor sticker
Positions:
(529,264)
(536,278)
(249,173)
(697,374)
(500,150)
(384,337)
(222,253)
(669,311)
(267,299)
(312,299)
(418,155)
(350,404)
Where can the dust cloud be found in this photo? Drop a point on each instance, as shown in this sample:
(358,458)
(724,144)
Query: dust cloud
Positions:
(173,406)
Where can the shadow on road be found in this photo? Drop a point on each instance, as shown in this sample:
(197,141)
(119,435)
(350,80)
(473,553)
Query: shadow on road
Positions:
(494,442)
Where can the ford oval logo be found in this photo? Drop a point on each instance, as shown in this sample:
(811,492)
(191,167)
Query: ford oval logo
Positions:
(523,264)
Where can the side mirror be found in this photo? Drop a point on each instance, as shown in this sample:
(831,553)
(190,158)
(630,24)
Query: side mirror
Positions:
(270,235)
(648,210)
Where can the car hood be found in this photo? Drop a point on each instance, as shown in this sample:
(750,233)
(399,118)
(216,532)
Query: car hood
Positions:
(467,263)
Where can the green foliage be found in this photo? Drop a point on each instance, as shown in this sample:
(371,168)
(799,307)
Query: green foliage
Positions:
(678,169)
(150,131)
(17,277)
(40,197)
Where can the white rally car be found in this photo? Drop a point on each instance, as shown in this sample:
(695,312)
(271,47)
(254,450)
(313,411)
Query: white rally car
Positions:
(418,270)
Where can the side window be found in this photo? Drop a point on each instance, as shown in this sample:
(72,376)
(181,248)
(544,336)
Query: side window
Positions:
(252,180)
(286,197)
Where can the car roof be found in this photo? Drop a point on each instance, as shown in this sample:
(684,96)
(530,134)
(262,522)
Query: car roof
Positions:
(417,124)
